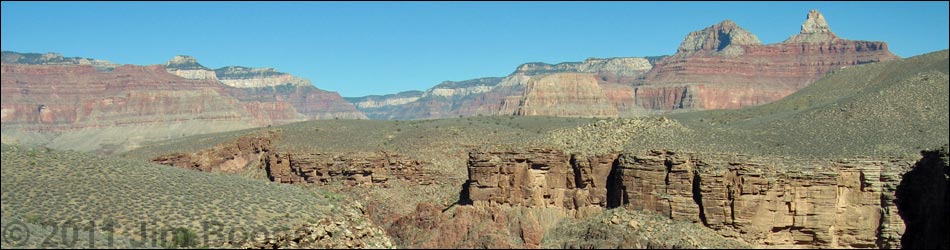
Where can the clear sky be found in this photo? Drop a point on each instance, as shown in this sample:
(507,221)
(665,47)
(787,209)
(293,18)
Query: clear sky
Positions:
(363,48)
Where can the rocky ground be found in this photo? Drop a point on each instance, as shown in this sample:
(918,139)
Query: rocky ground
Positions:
(822,135)
(60,190)
(622,228)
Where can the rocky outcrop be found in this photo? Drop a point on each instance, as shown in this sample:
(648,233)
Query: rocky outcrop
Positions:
(468,227)
(352,169)
(722,37)
(346,228)
(256,151)
(815,29)
(540,178)
(764,201)
(235,156)
(188,67)
(771,202)
(725,67)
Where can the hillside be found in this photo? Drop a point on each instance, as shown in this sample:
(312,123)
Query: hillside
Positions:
(894,108)
(50,187)
(442,145)
(411,171)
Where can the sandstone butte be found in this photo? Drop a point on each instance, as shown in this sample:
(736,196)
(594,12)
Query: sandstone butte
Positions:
(720,67)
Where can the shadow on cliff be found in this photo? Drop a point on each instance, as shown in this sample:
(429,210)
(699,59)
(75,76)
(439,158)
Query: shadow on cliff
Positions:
(923,197)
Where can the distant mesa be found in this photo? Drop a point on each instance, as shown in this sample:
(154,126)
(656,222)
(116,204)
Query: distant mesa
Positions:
(54,59)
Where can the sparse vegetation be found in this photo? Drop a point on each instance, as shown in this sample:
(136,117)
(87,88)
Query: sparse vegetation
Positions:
(885,109)
(620,228)
(71,186)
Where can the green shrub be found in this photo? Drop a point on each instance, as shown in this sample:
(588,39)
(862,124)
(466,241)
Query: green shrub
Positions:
(182,238)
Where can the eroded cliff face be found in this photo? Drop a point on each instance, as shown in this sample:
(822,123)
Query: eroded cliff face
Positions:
(725,67)
(720,67)
(73,103)
(596,87)
(764,201)
(271,96)
(306,101)
(352,169)
(256,152)
(772,202)
(51,97)
(265,92)
(188,67)
(234,156)
(244,77)
(566,94)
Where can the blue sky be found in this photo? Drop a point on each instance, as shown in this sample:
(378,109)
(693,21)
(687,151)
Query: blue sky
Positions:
(362,48)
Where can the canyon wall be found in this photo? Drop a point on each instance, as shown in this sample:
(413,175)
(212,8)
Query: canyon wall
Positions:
(566,94)
(764,201)
(725,67)
(50,97)
(594,88)
(256,151)
(88,105)
(720,67)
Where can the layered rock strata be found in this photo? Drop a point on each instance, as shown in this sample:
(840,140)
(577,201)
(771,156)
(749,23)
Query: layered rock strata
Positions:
(354,169)
(596,87)
(257,152)
(233,156)
(566,95)
(71,102)
(725,67)
(720,67)
(764,201)
(44,97)
(267,92)
(188,67)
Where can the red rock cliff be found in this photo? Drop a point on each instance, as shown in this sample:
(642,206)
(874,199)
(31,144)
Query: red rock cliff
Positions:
(724,67)
(765,201)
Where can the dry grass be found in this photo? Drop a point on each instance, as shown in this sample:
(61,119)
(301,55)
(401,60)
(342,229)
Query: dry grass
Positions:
(48,187)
